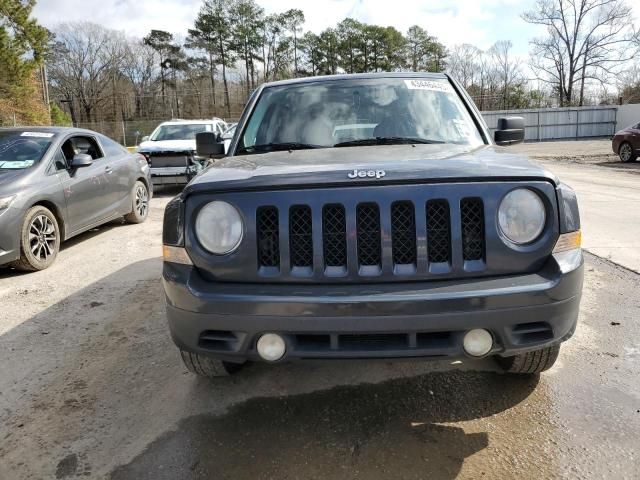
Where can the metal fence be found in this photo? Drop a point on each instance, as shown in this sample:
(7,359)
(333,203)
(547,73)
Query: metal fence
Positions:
(560,123)
(128,132)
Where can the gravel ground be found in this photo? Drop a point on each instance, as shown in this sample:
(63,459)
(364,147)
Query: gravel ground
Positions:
(91,386)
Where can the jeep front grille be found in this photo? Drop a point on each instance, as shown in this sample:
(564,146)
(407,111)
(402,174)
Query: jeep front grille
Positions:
(368,227)
(439,228)
(337,243)
(334,236)
(268,237)
(300,236)
(372,234)
(403,233)
(472,213)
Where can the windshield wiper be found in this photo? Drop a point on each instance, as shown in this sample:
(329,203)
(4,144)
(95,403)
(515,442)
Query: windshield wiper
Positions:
(386,141)
(275,147)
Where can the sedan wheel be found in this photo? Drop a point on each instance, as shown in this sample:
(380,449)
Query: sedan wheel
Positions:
(140,203)
(626,152)
(42,238)
(39,240)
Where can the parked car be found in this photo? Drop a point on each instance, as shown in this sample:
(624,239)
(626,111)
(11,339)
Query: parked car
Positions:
(419,237)
(171,150)
(56,183)
(626,143)
(227,136)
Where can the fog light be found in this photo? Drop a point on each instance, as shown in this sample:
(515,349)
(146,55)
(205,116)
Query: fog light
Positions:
(477,342)
(271,347)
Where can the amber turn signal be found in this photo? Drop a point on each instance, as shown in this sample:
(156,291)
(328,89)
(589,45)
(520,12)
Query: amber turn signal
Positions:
(568,241)
(175,255)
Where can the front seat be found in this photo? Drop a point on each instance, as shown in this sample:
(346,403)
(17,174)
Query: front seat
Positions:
(69,150)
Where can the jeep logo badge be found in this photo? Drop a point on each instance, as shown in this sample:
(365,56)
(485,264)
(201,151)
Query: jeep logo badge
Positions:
(367,174)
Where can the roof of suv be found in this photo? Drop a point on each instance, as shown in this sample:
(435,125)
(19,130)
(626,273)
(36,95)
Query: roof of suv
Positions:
(356,76)
(192,122)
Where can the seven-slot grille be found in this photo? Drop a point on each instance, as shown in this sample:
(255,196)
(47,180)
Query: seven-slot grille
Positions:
(402,233)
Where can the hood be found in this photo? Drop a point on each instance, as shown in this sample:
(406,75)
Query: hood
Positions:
(401,164)
(9,181)
(168,146)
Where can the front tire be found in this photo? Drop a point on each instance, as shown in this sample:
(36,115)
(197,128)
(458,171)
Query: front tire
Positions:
(530,363)
(39,240)
(140,203)
(626,153)
(206,366)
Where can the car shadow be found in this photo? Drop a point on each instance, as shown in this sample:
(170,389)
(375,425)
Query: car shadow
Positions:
(7,271)
(633,167)
(167,191)
(392,429)
(96,376)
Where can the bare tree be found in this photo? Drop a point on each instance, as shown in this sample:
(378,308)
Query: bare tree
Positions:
(139,66)
(586,40)
(463,64)
(506,68)
(85,58)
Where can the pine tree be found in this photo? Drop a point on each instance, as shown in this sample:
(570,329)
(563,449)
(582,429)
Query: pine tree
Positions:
(23,45)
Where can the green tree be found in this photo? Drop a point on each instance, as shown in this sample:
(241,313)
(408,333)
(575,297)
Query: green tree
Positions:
(246,21)
(276,47)
(162,43)
(294,19)
(214,29)
(394,47)
(23,45)
(329,55)
(424,52)
(59,117)
(351,35)
(311,49)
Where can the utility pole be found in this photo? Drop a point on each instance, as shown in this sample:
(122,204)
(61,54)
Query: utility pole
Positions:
(45,88)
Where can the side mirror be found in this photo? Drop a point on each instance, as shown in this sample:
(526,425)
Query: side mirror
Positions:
(81,160)
(510,131)
(207,145)
(145,138)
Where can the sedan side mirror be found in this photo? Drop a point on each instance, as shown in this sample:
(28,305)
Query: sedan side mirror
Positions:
(510,131)
(81,160)
(145,138)
(208,146)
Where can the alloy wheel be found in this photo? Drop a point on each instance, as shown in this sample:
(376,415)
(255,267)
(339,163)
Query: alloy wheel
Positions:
(42,237)
(142,201)
(625,152)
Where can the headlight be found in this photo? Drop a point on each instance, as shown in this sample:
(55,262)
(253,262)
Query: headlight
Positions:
(6,201)
(521,216)
(219,227)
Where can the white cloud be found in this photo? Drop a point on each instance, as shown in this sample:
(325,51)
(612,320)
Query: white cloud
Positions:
(135,18)
(480,22)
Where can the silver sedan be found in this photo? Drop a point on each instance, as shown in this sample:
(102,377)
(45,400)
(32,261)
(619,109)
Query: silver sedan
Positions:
(56,183)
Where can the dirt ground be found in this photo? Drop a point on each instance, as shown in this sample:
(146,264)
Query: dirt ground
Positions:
(91,385)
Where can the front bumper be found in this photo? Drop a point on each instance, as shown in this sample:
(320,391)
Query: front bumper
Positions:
(427,319)
(10,226)
(172,175)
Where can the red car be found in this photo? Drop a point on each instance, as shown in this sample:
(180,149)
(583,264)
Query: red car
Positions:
(626,143)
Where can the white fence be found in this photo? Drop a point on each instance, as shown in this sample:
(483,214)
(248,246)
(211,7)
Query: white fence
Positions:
(561,123)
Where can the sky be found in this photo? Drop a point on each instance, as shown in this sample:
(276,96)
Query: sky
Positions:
(479,22)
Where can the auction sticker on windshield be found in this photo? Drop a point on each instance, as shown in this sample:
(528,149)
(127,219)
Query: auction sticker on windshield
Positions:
(17,165)
(37,134)
(428,85)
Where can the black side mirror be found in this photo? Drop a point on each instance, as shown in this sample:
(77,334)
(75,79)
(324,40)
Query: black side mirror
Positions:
(207,145)
(81,160)
(510,131)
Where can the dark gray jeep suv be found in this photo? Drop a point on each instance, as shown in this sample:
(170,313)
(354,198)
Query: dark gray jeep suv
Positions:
(371,216)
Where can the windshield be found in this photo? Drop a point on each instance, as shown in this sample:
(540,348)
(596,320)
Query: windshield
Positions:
(359,112)
(22,149)
(179,132)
